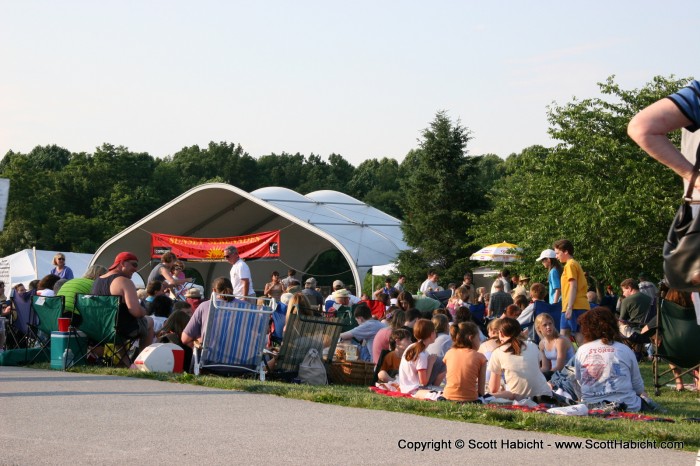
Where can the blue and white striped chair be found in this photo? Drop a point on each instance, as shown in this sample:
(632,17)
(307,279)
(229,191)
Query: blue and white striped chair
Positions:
(235,335)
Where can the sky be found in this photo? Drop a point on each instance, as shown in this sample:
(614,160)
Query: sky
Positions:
(360,79)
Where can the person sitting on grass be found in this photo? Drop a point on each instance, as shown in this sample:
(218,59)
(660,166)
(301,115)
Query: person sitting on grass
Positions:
(400,339)
(486,348)
(418,369)
(518,361)
(466,367)
(382,340)
(160,309)
(555,350)
(365,331)
(606,368)
(171,332)
(442,342)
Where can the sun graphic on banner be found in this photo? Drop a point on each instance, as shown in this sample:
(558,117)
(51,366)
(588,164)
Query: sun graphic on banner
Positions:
(215,254)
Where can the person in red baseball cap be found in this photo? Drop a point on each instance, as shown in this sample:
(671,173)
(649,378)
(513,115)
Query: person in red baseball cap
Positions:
(132,319)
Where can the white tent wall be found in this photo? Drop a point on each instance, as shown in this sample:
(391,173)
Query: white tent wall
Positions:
(307,227)
(19,267)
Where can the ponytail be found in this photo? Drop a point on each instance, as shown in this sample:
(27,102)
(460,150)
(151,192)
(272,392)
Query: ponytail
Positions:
(423,329)
(511,329)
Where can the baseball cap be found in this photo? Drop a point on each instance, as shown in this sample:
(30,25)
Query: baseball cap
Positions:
(547,254)
(123,257)
(337,284)
(342,293)
(311,281)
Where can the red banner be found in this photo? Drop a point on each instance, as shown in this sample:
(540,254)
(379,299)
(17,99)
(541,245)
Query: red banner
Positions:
(265,244)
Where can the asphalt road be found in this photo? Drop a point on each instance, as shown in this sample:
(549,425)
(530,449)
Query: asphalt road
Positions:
(52,417)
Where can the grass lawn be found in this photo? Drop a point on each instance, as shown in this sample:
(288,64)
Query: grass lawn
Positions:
(679,405)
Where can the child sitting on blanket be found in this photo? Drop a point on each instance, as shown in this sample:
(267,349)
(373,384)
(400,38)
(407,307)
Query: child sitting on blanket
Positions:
(398,342)
(418,368)
(466,367)
(519,362)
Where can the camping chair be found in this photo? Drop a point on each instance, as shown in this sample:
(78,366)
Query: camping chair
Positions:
(235,336)
(319,331)
(277,321)
(100,318)
(677,334)
(22,322)
(442,296)
(47,309)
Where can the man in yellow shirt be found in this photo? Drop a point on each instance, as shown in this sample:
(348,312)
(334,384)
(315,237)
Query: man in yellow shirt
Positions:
(573,290)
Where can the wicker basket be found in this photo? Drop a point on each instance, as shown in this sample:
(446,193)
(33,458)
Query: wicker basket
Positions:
(351,373)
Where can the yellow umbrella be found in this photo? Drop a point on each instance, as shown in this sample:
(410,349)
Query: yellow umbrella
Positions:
(501,252)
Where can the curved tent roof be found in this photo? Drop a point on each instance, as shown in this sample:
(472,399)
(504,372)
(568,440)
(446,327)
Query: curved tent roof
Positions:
(309,225)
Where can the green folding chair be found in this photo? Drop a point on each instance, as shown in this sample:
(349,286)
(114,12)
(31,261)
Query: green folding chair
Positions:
(47,309)
(678,331)
(100,317)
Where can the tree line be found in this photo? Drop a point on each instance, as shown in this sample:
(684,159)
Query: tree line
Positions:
(595,187)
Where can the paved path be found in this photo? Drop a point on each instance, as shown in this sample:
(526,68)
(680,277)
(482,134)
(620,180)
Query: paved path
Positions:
(51,417)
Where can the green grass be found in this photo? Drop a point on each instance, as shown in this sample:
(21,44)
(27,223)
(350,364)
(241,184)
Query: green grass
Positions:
(679,406)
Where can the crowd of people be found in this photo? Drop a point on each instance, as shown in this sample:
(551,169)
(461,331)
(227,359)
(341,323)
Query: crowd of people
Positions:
(515,341)
(509,342)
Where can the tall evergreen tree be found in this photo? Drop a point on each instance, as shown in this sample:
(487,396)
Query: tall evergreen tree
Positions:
(439,184)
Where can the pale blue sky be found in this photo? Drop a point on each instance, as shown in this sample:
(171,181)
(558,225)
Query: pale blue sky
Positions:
(357,78)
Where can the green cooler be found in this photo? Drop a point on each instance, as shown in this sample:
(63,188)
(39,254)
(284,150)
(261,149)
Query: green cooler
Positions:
(60,341)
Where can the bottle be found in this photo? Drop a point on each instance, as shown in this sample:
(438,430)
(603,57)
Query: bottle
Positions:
(67,358)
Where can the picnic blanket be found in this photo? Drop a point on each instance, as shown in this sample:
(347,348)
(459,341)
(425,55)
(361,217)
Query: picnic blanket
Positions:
(392,390)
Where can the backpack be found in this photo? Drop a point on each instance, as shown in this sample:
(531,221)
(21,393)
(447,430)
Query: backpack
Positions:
(311,370)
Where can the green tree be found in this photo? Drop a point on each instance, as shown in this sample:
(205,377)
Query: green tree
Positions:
(376,182)
(596,188)
(441,196)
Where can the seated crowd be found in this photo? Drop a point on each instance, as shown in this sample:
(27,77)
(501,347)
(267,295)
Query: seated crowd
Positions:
(511,342)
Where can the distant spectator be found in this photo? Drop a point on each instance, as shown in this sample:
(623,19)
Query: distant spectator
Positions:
(59,267)
(46,284)
(500,300)
(400,283)
(315,298)
(274,288)
(291,275)
(431,283)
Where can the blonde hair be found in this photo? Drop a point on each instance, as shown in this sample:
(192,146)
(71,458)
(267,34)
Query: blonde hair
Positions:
(539,322)
(58,255)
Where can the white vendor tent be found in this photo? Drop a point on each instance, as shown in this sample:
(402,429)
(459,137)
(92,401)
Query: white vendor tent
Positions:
(21,268)
(309,225)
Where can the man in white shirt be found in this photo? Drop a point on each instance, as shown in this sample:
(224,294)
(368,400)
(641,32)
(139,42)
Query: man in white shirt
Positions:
(240,273)
(431,284)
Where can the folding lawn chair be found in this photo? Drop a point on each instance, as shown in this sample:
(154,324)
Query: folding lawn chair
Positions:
(304,332)
(23,321)
(235,335)
(279,317)
(100,320)
(47,309)
(678,334)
